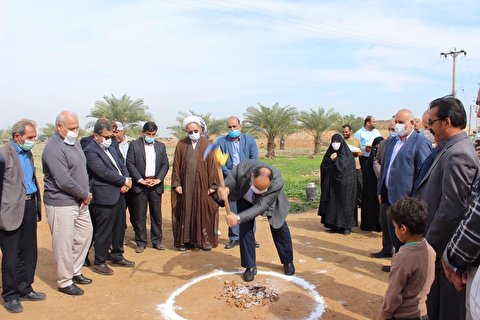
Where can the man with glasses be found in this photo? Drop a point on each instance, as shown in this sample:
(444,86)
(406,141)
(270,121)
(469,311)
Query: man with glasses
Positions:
(109,181)
(147,163)
(445,182)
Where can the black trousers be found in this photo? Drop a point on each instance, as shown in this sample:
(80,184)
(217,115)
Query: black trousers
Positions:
(109,227)
(281,238)
(387,246)
(154,200)
(19,255)
(443,301)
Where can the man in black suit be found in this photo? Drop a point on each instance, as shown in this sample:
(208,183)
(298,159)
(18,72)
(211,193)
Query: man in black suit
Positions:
(147,163)
(109,181)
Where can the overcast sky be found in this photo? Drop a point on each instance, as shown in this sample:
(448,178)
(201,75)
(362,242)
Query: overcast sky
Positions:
(359,57)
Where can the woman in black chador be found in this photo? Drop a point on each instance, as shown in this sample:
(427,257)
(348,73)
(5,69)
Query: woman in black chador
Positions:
(339,187)
(370,216)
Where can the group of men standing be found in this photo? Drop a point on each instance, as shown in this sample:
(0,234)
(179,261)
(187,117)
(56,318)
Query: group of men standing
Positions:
(89,185)
(445,176)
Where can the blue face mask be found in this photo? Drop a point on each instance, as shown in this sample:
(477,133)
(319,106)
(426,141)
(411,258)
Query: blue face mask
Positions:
(392,135)
(149,139)
(27,145)
(234,133)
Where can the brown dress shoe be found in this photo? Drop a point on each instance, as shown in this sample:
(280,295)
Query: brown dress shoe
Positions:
(102,269)
(139,249)
(124,263)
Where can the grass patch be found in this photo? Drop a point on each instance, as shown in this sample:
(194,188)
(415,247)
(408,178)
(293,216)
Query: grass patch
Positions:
(297,169)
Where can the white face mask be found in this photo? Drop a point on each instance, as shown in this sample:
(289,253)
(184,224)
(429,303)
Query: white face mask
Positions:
(194,136)
(106,143)
(256,191)
(400,129)
(336,145)
(429,135)
(71,137)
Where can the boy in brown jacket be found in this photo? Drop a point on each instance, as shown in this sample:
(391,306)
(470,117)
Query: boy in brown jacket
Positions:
(413,267)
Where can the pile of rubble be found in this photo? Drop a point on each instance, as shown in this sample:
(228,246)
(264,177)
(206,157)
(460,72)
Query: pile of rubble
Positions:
(242,295)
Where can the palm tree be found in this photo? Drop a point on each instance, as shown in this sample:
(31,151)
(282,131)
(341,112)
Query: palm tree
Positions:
(316,122)
(271,122)
(127,111)
(352,120)
(214,126)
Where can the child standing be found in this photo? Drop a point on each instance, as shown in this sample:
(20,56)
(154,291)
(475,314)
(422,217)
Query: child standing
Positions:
(413,267)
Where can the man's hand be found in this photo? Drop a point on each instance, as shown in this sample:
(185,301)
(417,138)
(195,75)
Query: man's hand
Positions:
(144,182)
(87,200)
(179,190)
(456,279)
(154,182)
(232,219)
(124,189)
(210,191)
(128,184)
(223,193)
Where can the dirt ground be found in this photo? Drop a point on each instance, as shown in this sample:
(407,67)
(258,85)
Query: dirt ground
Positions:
(349,281)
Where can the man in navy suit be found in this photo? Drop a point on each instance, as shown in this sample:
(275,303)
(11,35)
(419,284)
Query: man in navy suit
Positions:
(239,147)
(403,158)
(109,181)
(147,163)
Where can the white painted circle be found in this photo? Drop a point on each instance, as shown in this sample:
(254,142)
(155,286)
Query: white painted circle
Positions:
(168,310)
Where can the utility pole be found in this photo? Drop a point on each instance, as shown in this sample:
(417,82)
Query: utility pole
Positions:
(454,55)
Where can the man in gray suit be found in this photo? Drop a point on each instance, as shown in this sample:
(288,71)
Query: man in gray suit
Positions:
(258,190)
(19,213)
(445,182)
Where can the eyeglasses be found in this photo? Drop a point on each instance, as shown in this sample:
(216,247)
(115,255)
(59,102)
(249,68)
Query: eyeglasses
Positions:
(193,131)
(431,122)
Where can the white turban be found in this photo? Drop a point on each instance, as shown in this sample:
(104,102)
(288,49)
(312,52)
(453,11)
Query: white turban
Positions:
(191,119)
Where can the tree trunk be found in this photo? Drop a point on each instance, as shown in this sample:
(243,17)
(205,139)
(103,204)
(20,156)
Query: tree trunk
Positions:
(282,143)
(271,148)
(318,145)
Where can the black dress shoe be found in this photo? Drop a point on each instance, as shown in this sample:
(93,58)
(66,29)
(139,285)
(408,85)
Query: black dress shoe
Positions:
(81,279)
(72,290)
(289,269)
(249,274)
(13,306)
(380,254)
(181,248)
(123,263)
(102,269)
(33,296)
(231,244)
(257,245)
(386,268)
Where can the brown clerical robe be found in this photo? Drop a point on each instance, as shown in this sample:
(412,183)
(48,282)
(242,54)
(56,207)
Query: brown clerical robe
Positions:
(194,213)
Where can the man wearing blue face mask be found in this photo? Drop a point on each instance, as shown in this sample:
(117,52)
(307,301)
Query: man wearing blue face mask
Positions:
(109,181)
(239,147)
(19,212)
(147,163)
